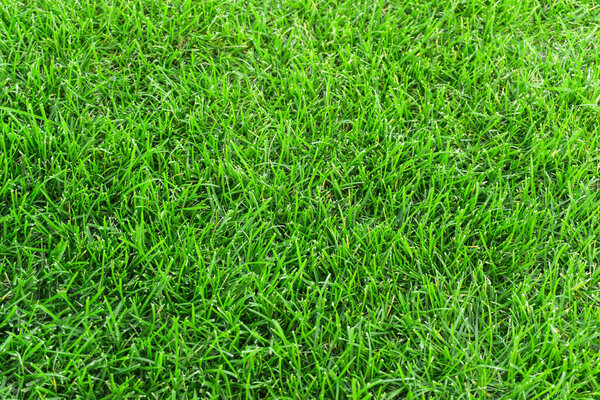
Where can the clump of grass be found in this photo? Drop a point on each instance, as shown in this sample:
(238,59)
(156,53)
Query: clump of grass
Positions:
(299,199)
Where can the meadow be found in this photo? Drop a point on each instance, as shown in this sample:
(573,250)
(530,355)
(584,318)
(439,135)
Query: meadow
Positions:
(316,199)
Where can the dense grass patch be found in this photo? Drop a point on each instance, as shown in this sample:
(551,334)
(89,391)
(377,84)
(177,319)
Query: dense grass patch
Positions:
(299,199)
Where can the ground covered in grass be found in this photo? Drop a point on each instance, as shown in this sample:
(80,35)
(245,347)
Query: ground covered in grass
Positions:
(299,199)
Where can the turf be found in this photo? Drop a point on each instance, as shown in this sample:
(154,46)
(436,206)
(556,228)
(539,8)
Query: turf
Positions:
(299,199)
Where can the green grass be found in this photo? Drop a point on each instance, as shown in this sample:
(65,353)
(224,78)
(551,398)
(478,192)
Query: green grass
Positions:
(299,199)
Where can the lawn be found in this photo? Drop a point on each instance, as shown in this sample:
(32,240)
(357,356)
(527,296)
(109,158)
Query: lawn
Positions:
(215,199)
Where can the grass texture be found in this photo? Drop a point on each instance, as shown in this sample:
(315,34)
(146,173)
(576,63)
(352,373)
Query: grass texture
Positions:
(314,199)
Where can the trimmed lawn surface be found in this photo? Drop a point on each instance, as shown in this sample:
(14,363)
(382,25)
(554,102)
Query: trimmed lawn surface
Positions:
(211,199)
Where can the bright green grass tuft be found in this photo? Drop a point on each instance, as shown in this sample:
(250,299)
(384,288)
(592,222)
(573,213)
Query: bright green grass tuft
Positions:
(299,199)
